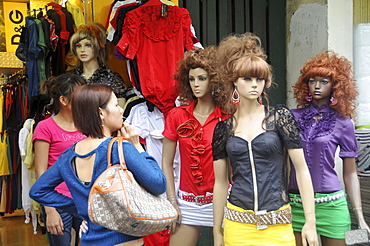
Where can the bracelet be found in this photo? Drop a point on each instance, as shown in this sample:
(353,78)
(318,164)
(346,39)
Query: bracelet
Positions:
(216,225)
(357,208)
(171,196)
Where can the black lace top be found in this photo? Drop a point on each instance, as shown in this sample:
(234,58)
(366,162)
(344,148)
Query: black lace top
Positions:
(105,76)
(268,155)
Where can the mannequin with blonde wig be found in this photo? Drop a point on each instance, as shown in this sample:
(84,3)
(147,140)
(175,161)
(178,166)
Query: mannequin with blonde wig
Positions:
(88,44)
(326,94)
(252,142)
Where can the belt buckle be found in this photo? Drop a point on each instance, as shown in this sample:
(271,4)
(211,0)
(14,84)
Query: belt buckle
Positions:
(259,222)
(197,201)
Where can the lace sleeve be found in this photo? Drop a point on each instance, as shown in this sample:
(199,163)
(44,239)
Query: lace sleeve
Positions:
(220,136)
(287,127)
(119,86)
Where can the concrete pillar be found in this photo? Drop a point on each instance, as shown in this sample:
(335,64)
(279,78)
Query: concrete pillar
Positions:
(314,26)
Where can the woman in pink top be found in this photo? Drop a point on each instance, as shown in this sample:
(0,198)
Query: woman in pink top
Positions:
(51,137)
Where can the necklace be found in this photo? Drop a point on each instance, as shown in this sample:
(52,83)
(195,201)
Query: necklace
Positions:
(200,115)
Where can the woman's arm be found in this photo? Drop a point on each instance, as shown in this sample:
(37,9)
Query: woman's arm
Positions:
(304,181)
(220,191)
(352,185)
(42,191)
(54,223)
(41,157)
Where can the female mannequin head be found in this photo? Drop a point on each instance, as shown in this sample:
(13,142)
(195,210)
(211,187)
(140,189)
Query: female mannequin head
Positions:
(195,62)
(92,36)
(241,56)
(338,71)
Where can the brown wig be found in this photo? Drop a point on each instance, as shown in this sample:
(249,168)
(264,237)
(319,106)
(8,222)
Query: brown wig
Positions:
(199,58)
(240,56)
(56,87)
(95,33)
(86,101)
(339,69)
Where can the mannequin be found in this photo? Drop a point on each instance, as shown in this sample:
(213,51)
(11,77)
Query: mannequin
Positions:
(326,93)
(253,141)
(192,126)
(88,45)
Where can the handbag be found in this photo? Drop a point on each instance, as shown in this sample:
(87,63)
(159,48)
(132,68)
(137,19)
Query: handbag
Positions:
(119,203)
(357,236)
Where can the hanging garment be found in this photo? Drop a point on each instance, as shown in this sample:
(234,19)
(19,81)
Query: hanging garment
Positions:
(158,43)
(4,161)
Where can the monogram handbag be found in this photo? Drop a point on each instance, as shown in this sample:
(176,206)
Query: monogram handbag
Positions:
(119,203)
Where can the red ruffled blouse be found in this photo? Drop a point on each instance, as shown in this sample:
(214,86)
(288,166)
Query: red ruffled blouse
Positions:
(195,142)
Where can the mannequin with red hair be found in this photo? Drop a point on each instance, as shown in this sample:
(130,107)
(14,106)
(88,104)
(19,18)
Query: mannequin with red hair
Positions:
(325,94)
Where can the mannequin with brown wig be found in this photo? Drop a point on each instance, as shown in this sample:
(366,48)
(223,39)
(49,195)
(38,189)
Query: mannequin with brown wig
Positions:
(325,94)
(252,142)
(88,44)
(192,127)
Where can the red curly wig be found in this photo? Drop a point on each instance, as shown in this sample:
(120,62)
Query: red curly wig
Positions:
(339,69)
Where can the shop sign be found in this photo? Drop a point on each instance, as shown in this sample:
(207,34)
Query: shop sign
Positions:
(12,19)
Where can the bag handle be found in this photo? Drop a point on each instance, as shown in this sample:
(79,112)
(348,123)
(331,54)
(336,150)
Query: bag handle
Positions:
(120,151)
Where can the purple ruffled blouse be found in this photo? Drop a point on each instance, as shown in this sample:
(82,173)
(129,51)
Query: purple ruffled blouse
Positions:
(320,139)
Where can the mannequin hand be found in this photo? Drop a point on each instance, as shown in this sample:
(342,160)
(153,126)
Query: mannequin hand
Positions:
(362,225)
(309,235)
(54,223)
(218,238)
(172,228)
(83,228)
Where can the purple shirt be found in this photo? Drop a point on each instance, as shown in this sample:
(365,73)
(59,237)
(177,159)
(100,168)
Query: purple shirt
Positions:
(320,141)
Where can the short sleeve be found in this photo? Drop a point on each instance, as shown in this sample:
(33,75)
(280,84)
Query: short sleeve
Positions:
(347,140)
(220,136)
(129,42)
(171,124)
(42,132)
(287,127)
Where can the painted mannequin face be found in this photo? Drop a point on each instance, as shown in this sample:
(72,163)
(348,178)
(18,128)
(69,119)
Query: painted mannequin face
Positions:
(320,89)
(199,82)
(250,87)
(85,50)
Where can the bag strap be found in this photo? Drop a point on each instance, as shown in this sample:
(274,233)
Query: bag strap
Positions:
(120,151)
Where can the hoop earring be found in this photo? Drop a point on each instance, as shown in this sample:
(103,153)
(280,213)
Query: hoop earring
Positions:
(235,98)
(308,98)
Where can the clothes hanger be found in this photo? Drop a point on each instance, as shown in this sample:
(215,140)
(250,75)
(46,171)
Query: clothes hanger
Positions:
(168,2)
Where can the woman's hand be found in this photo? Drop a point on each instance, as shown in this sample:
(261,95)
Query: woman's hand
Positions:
(54,223)
(83,228)
(309,234)
(130,132)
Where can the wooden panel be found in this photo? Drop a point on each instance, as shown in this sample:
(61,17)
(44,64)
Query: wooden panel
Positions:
(259,19)
(277,49)
(224,18)
(239,16)
(211,21)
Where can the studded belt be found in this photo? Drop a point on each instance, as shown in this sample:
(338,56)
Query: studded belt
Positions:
(328,198)
(260,218)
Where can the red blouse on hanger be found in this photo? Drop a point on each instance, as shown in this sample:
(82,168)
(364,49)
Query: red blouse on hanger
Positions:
(158,44)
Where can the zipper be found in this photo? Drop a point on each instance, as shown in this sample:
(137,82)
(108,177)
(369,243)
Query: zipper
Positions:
(254,176)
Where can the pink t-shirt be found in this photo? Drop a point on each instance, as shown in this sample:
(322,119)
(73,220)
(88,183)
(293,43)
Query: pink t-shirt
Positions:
(59,141)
